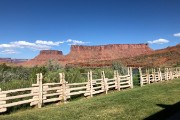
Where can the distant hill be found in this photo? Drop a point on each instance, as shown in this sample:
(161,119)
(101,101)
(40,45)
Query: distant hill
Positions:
(12,61)
(169,56)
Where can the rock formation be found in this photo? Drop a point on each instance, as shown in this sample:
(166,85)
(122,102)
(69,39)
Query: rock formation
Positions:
(166,57)
(80,53)
(106,52)
(44,57)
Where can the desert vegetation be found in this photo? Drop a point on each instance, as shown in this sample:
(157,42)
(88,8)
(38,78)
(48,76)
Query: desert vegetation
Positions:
(12,77)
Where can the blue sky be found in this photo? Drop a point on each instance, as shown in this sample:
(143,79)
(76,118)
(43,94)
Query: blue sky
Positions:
(28,26)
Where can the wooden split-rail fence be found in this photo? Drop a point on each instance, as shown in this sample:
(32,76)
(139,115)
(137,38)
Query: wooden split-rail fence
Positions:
(148,76)
(41,93)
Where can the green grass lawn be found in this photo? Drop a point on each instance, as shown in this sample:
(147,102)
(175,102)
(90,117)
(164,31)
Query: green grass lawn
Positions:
(131,104)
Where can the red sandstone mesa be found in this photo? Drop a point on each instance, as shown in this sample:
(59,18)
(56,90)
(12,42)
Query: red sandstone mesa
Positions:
(80,53)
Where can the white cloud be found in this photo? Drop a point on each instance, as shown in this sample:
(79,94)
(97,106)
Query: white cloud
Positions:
(8,51)
(51,43)
(9,48)
(76,42)
(22,44)
(34,46)
(176,35)
(38,45)
(158,41)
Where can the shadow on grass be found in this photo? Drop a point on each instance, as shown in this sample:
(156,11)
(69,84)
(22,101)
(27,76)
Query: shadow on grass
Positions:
(170,112)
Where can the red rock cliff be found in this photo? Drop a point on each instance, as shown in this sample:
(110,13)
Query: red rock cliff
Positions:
(90,53)
(44,57)
(106,52)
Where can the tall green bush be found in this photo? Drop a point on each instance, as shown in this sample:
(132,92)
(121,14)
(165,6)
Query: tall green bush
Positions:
(120,67)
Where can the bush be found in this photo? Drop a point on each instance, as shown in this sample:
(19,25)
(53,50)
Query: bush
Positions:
(73,75)
(120,67)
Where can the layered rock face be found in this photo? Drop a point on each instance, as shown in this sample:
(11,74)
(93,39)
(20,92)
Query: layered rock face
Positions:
(90,53)
(106,52)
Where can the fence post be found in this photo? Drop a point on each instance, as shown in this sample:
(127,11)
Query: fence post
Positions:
(175,73)
(140,75)
(65,88)
(129,71)
(167,73)
(154,74)
(160,74)
(117,80)
(35,90)
(170,76)
(148,76)
(91,83)
(171,73)
(60,91)
(131,77)
(63,81)
(105,81)
(2,102)
(88,85)
(40,102)
(61,86)
(89,90)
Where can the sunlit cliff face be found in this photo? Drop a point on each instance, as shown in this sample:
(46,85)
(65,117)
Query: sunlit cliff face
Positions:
(90,53)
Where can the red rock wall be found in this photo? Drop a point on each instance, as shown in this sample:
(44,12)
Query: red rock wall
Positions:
(107,52)
(90,53)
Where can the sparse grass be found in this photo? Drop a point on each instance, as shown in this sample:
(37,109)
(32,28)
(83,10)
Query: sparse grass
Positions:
(131,104)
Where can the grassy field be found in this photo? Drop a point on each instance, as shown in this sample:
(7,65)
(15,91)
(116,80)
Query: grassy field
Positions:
(158,100)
